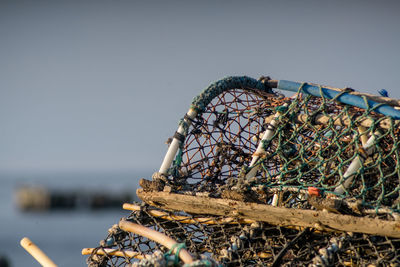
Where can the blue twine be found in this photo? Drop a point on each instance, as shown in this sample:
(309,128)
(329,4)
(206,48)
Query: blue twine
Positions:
(383,92)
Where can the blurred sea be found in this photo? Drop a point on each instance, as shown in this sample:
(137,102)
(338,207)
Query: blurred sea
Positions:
(60,234)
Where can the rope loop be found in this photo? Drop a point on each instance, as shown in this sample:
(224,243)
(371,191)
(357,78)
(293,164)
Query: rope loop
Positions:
(178,247)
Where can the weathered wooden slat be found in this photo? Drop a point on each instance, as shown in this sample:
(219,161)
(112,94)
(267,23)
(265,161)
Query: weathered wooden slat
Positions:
(321,220)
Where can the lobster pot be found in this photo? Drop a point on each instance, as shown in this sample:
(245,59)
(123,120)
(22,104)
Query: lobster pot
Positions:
(254,178)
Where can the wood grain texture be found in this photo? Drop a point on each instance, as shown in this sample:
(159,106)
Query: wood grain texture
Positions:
(321,220)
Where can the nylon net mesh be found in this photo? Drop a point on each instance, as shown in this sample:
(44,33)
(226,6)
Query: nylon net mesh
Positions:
(320,152)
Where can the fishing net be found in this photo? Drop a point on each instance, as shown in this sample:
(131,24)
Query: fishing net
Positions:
(247,144)
(239,242)
(223,139)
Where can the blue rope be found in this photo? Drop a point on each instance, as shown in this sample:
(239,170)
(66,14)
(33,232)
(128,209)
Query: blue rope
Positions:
(201,101)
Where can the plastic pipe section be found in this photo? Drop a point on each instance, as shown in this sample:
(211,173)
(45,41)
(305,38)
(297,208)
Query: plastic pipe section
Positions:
(174,146)
(344,97)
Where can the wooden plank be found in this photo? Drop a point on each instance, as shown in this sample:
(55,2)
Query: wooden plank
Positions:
(321,220)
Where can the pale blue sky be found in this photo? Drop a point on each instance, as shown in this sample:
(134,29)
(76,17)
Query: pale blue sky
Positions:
(100,85)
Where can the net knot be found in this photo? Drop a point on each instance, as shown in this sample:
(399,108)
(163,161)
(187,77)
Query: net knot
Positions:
(281,109)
